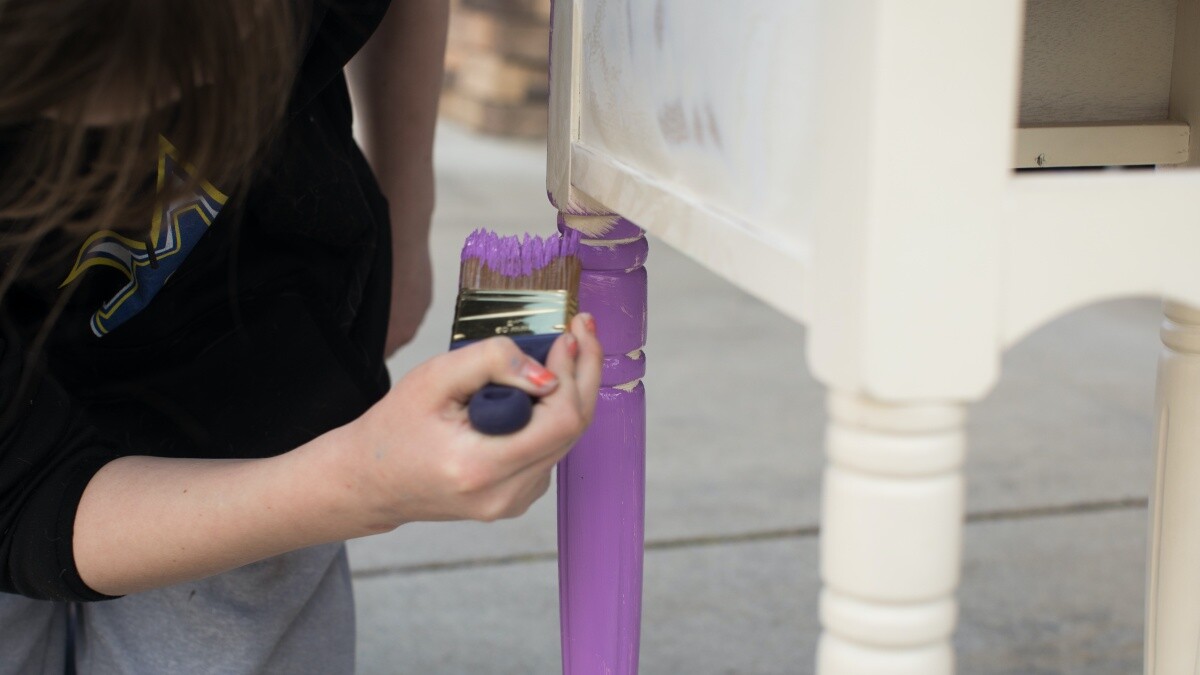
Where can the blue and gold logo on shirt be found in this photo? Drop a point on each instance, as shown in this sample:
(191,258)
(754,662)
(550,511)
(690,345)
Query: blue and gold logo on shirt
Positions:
(148,265)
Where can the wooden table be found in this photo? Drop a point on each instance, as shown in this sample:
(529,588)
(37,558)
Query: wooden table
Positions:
(853,164)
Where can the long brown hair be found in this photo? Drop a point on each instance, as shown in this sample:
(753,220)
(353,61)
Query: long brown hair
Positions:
(210,76)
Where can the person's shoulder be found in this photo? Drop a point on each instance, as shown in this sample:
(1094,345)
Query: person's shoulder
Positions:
(339,28)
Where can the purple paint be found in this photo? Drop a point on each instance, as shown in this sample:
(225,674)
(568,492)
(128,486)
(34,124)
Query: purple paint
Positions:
(618,301)
(624,257)
(602,481)
(621,369)
(601,511)
(513,256)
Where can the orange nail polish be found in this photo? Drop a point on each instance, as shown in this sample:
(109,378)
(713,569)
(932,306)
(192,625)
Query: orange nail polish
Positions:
(572,345)
(589,323)
(539,376)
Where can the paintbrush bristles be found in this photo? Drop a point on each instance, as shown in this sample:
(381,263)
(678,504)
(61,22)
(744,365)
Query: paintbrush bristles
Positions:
(490,261)
(562,274)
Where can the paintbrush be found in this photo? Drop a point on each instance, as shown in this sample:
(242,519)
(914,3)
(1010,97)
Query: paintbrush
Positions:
(524,288)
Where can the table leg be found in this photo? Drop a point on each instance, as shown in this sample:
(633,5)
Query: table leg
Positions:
(891,537)
(601,483)
(1173,573)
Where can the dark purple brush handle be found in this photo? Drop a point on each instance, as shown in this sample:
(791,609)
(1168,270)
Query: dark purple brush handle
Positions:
(498,409)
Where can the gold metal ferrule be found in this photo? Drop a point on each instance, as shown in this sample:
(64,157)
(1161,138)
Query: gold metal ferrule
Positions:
(486,313)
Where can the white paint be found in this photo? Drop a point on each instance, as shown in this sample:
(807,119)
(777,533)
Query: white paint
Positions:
(1076,145)
(891,534)
(687,89)
(1075,238)
(868,193)
(723,243)
(917,137)
(563,128)
(1173,582)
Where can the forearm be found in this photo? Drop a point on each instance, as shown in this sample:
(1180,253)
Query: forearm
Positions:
(147,522)
(395,82)
(413,456)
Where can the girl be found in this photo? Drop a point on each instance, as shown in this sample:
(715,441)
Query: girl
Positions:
(202,278)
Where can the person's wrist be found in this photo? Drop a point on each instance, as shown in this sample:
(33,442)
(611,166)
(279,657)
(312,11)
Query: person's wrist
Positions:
(354,490)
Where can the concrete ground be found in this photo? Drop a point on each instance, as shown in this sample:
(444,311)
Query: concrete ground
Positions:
(1059,469)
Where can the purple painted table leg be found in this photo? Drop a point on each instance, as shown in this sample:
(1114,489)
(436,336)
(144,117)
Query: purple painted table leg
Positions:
(602,482)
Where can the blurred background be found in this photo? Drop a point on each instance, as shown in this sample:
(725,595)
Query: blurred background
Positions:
(1058,471)
(497,74)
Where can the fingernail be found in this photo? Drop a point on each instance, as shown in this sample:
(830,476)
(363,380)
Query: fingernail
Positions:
(538,375)
(589,323)
(572,345)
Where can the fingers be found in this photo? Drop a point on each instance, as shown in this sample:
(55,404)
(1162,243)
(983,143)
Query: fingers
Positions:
(588,364)
(561,362)
(560,418)
(565,404)
(563,415)
(473,475)
(457,375)
(576,359)
(515,497)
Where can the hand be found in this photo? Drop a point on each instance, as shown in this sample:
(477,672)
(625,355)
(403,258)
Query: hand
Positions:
(412,291)
(420,458)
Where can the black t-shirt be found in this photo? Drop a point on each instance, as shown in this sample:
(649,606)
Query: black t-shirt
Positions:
(238,328)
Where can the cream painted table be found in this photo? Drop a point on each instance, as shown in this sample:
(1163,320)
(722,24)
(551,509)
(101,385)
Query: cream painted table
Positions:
(851,162)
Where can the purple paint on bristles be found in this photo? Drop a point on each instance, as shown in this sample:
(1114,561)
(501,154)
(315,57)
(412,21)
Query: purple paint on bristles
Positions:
(514,256)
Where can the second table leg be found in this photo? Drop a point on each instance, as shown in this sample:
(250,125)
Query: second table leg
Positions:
(891,537)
